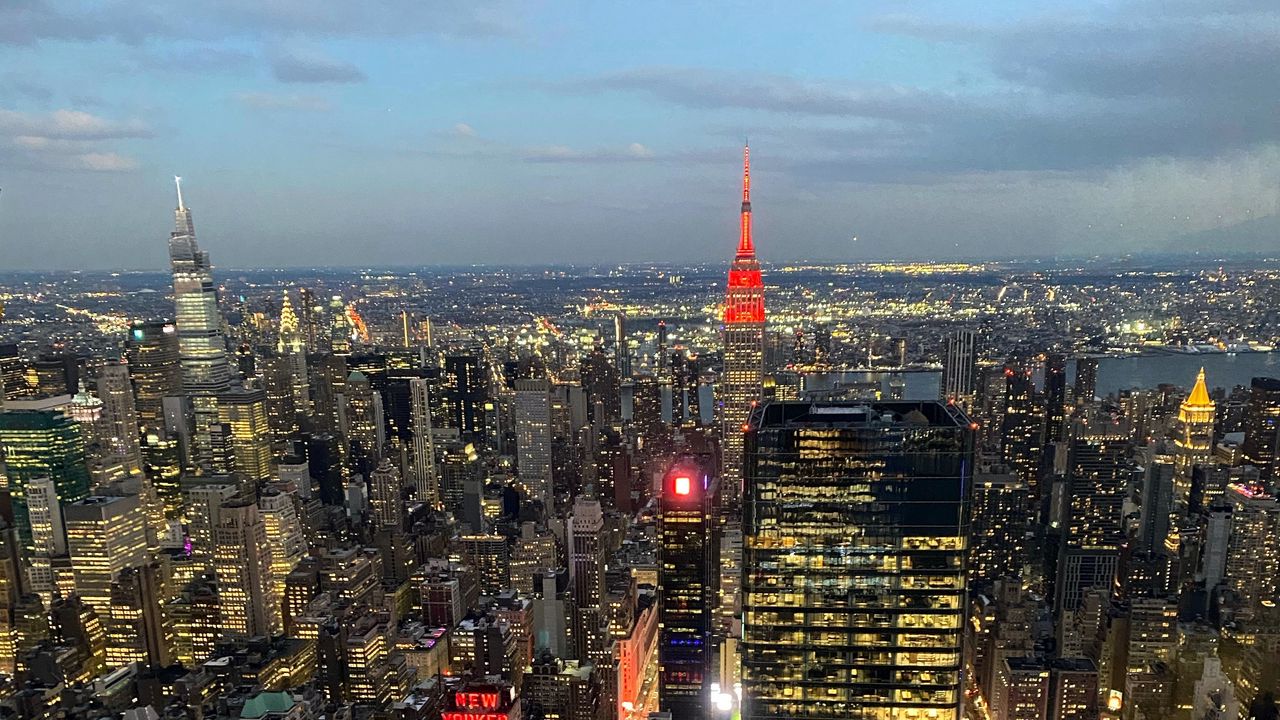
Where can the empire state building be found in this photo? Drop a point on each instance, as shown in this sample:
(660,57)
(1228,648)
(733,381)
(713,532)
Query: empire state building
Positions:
(742,383)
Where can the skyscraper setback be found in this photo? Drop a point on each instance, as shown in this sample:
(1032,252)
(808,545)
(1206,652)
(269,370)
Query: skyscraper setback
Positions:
(743,380)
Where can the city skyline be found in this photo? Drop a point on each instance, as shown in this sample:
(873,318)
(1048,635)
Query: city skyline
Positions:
(465,133)
(460,407)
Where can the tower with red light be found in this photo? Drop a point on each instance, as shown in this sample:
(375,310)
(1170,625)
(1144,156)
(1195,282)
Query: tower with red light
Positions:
(688,585)
(742,383)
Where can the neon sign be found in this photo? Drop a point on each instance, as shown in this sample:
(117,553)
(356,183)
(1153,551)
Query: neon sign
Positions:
(477,700)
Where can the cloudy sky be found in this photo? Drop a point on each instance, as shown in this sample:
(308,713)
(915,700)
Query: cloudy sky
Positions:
(460,131)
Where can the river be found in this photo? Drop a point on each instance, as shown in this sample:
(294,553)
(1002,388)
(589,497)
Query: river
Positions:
(1145,371)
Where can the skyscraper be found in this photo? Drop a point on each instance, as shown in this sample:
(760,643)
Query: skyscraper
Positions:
(276,373)
(245,413)
(1022,428)
(242,562)
(48,534)
(959,367)
(202,348)
(998,540)
(1194,439)
(1094,536)
(621,350)
(1261,426)
(465,392)
(1055,401)
(152,351)
(364,422)
(688,582)
(586,572)
(291,340)
(1086,385)
(119,415)
(424,480)
(136,628)
(533,438)
(743,381)
(603,388)
(105,535)
(385,502)
(855,525)
(1253,560)
(42,443)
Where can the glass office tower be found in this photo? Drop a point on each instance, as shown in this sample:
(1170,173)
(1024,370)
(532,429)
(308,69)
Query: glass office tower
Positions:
(688,585)
(855,522)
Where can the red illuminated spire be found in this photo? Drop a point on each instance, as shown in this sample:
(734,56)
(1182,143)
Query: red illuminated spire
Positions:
(744,301)
(745,247)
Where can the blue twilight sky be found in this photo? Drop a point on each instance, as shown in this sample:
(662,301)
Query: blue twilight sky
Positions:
(459,131)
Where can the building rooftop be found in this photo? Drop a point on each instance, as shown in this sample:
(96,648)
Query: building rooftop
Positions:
(866,414)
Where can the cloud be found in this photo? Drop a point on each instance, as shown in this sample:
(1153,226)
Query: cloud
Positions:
(26,22)
(65,140)
(272,101)
(566,154)
(709,89)
(464,130)
(1084,93)
(70,124)
(107,162)
(310,66)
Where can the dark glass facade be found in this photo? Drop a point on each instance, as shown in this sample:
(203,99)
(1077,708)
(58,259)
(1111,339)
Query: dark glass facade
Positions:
(689,571)
(854,539)
(41,443)
(1262,426)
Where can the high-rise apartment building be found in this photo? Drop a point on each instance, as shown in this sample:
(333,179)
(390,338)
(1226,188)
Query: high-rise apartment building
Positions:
(742,383)
(1086,382)
(1098,477)
(621,346)
(1000,523)
(959,367)
(1252,558)
(1262,426)
(1022,427)
(1055,401)
(855,526)
(48,535)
